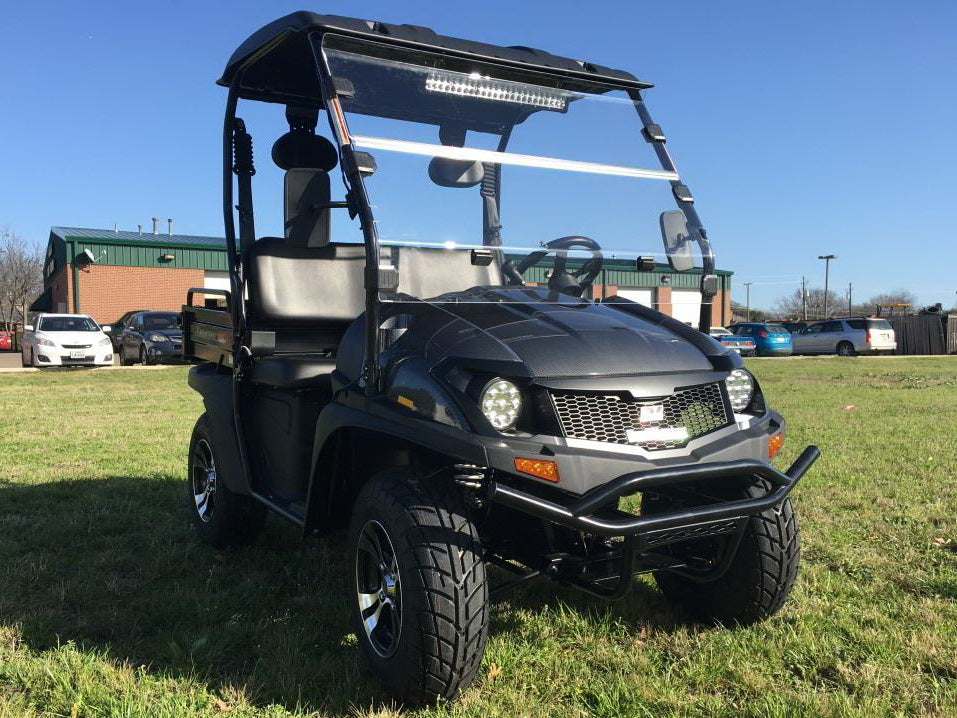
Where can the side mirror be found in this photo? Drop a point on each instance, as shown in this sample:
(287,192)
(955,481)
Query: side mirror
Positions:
(677,240)
(28,328)
(106,329)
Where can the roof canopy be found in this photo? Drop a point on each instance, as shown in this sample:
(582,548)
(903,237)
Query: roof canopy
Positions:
(277,60)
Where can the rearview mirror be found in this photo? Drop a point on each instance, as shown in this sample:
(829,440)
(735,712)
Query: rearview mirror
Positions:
(677,240)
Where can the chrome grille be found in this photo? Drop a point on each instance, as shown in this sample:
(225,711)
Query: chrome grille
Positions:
(610,418)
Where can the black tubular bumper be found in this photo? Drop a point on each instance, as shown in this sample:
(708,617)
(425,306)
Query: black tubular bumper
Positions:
(581,514)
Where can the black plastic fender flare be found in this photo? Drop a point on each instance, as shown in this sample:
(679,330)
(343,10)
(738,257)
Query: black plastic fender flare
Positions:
(216,388)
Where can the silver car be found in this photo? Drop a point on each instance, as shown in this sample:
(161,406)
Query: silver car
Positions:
(846,337)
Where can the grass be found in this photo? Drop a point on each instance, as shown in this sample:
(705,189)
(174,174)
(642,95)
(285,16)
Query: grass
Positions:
(109,606)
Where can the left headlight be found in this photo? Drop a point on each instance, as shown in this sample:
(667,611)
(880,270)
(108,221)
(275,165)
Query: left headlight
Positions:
(157,338)
(104,342)
(501,402)
(740,389)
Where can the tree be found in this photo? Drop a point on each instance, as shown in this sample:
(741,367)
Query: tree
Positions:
(21,276)
(792,305)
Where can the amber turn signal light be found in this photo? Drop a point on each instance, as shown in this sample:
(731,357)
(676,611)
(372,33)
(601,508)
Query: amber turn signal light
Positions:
(774,444)
(539,468)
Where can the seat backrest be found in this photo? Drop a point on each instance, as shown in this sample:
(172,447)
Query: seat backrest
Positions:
(427,273)
(305,193)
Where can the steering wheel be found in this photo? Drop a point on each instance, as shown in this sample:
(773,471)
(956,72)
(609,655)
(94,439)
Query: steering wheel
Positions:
(561,280)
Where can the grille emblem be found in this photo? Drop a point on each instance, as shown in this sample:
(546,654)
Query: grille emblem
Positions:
(650,413)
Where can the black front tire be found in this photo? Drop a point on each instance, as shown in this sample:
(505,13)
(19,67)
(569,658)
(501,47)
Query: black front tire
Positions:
(222,518)
(760,576)
(123,360)
(145,359)
(439,624)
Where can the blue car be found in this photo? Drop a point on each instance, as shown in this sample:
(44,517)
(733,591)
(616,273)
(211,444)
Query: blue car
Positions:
(769,339)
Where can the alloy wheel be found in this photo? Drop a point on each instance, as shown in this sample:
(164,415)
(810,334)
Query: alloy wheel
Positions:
(203,478)
(378,589)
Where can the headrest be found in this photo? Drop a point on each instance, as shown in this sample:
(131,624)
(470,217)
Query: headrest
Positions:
(455,173)
(300,148)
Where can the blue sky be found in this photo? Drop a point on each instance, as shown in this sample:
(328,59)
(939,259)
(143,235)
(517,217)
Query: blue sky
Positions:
(803,128)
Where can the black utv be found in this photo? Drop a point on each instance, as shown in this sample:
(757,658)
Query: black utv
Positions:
(395,363)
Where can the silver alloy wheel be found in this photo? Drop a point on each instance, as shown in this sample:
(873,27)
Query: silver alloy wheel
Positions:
(203,477)
(378,588)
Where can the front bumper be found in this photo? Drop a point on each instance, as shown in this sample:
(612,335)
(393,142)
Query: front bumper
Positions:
(591,512)
(167,352)
(56,356)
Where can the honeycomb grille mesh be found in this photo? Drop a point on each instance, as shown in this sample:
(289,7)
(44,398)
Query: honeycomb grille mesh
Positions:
(608,417)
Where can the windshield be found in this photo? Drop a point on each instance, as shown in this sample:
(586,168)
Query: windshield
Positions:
(67,324)
(161,321)
(472,156)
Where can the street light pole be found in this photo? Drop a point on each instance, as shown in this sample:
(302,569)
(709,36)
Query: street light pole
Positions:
(827,266)
(747,304)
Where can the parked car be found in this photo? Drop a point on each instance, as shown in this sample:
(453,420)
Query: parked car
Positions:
(6,341)
(793,327)
(742,345)
(846,337)
(769,339)
(151,337)
(66,340)
(119,325)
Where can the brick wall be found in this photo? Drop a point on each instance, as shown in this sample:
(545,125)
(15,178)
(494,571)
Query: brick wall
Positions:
(107,291)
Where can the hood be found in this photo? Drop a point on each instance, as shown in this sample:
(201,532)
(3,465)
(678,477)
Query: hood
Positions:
(561,337)
(74,338)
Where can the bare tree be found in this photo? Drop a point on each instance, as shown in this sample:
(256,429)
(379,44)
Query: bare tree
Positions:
(792,305)
(21,276)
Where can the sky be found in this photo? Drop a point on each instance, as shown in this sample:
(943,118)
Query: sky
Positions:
(803,128)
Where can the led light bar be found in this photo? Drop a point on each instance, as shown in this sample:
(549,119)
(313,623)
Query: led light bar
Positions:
(496,90)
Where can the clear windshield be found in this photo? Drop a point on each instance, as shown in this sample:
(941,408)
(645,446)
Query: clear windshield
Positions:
(500,162)
(67,324)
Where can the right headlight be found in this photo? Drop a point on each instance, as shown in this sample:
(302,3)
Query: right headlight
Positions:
(740,389)
(501,402)
(44,342)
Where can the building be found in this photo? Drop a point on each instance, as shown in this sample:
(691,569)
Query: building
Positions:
(105,273)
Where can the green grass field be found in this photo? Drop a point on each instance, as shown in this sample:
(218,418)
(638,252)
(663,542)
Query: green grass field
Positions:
(110,607)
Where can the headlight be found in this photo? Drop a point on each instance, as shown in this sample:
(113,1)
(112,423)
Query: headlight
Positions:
(740,389)
(44,342)
(104,342)
(158,338)
(501,403)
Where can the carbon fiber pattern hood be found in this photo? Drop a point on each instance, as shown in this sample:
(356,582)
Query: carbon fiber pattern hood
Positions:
(549,335)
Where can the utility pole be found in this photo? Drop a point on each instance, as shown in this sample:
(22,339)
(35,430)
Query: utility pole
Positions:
(747,286)
(827,266)
(849,303)
(804,297)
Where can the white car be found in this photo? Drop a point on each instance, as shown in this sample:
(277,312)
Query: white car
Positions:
(66,340)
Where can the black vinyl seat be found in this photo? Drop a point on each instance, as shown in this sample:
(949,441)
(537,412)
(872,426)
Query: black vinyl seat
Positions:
(306,297)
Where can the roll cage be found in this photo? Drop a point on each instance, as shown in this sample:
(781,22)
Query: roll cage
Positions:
(283,62)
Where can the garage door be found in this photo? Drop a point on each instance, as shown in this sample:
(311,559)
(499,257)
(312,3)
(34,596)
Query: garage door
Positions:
(642,296)
(216,280)
(686,306)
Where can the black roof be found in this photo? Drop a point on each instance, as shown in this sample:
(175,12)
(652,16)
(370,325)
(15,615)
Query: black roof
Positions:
(278,58)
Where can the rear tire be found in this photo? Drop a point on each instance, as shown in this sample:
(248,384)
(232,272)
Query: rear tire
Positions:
(846,349)
(760,576)
(421,606)
(222,517)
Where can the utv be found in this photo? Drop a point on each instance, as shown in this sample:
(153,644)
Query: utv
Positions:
(448,381)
